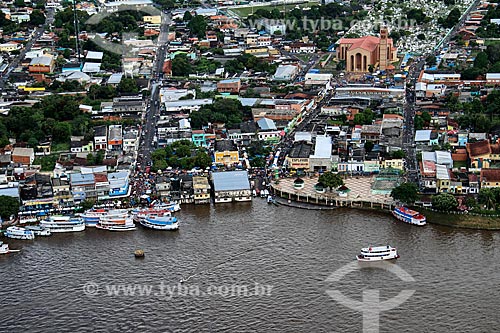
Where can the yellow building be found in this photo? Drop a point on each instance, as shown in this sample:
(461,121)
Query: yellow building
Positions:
(152,19)
(360,53)
(396,163)
(226,152)
(201,189)
(9,47)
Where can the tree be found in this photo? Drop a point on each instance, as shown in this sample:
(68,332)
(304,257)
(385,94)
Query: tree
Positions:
(369,146)
(8,206)
(128,85)
(481,60)
(202,160)
(406,193)
(331,180)
(198,26)
(61,132)
(426,117)
(87,204)
(487,198)
(444,202)
(187,16)
(37,18)
(398,154)
(431,60)
(181,66)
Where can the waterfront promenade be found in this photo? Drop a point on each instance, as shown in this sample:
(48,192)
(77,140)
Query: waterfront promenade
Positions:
(359,194)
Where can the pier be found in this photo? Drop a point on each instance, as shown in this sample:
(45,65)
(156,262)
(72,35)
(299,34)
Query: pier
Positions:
(358,195)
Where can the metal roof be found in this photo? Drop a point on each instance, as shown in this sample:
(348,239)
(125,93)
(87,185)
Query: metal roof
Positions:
(230,181)
(423,135)
(323,147)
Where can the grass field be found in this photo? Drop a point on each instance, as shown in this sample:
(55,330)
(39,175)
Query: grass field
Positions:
(243,12)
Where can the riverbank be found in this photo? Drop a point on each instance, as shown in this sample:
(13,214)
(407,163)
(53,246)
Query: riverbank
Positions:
(461,220)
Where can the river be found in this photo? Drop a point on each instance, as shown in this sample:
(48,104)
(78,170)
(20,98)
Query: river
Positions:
(277,257)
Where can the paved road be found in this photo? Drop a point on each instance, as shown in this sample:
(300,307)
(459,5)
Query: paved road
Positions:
(153,111)
(49,19)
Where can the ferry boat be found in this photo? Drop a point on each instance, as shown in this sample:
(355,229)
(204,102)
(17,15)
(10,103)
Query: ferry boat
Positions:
(116,223)
(143,213)
(59,223)
(38,230)
(170,206)
(19,233)
(166,222)
(378,253)
(4,248)
(92,217)
(409,216)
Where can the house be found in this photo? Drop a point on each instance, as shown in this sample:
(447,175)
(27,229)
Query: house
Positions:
(82,146)
(82,186)
(286,73)
(100,137)
(61,189)
(298,158)
(301,47)
(231,186)
(115,137)
(226,152)
(395,163)
(321,159)
(118,184)
(10,46)
(479,154)
(361,53)
(229,86)
(129,142)
(24,156)
(489,178)
(43,64)
(201,190)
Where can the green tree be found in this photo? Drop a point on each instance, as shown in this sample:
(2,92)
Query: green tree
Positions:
(487,197)
(37,17)
(331,180)
(398,154)
(481,60)
(187,16)
(369,146)
(61,132)
(87,204)
(444,202)
(202,160)
(198,26)
(181,66)
(128,85)
(406,193)
(8,206)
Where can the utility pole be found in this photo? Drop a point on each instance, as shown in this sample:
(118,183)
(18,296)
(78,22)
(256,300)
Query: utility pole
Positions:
(77,31)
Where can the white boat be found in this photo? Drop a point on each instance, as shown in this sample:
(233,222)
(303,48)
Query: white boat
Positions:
(39,231)
(378,253)
(19,233)
(143,213)
(166,222)
(409,216)
(171,206)
(4,248)
(59,223)
(116,223)
(92,217)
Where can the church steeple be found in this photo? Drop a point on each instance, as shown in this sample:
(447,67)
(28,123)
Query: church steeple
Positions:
(383,48)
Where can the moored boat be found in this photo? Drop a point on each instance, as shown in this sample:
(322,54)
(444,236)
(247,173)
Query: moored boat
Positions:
(59,223)
(378,253)
(38,230)
(4,248)
(92,217)
(410,216)
(19,233)
(116,223)
(143,213)
(166,222)
(170,206)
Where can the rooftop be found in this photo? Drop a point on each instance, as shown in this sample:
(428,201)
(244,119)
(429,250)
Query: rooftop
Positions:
(230,181)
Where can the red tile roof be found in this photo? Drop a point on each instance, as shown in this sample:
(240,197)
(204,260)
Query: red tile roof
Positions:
(490,175)
(478,148)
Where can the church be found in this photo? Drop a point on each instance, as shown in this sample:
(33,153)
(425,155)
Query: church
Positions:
(360,53)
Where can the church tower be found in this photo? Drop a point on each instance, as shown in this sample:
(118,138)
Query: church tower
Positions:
(383,48)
